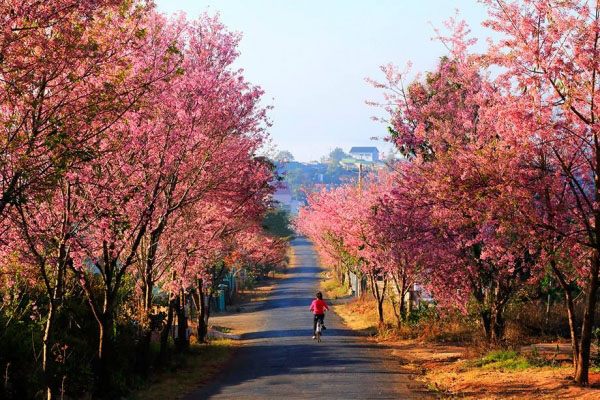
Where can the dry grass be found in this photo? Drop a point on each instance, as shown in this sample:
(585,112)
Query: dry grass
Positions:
(358,316)
(205,360)
(195,369)
(507,381)
(447,355)
(332,289)
(361,314)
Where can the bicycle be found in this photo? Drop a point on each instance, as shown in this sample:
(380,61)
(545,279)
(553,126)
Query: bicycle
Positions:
(319,330)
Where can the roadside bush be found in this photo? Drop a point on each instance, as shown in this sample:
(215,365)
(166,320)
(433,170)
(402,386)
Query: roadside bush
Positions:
(427,322)
(334,289)
(502,359)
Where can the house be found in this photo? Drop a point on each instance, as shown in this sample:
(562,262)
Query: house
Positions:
(365,153)
(348,163)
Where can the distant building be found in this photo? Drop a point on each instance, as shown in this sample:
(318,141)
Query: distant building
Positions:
(283,196)
(348,163)
(365,153)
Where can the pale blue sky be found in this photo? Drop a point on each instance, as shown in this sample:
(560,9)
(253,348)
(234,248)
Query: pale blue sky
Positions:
(311,58)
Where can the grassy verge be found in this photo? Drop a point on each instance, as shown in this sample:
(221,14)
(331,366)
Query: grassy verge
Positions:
(503,360)
(505,374)
(195,368)
(332,289)
(444,352)
(357,314)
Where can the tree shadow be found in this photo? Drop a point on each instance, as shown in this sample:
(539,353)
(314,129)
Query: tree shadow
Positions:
(280,363)
(330,333)
(286,362)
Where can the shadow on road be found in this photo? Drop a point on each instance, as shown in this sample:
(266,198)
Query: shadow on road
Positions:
(280,360)
(276,364)
(311,270)
(307,333)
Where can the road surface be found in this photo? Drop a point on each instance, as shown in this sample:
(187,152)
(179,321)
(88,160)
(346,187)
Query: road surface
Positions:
(279,359)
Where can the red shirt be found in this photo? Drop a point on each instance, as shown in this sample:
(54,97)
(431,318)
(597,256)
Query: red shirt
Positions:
(318,307)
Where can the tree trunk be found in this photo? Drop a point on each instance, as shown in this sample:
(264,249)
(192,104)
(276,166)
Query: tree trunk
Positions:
(399,306)
(380,312)
(486,322)
(102,375)
(570,313)
(348,279)
(397,312)
(55,297)
(147,281)
(104,359)
(403,307)
(164,335)
(583,362)
(46,350)
(182,342)
(491,304)
(379,296)
(208,309)
(498,324)
(143,364)
(202,326)
(572,329)
(409,304)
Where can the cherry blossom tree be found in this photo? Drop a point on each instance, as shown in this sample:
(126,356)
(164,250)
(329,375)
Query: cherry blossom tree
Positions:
(344,223)
(131,153)
(469,172)
(44,224)
(549,61)
(66,76)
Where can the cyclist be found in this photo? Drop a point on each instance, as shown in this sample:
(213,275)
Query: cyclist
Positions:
(318,308)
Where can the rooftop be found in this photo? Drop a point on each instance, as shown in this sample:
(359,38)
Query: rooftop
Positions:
(364,150)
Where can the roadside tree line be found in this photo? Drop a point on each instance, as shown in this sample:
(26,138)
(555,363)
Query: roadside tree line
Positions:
(128,173)
(500,182)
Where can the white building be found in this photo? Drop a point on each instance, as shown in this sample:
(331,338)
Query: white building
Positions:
(365,153)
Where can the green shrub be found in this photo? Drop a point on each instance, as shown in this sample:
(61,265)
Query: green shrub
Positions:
(503,360)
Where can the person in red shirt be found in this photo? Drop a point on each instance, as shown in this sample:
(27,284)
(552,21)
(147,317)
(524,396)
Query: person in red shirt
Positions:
(318,308)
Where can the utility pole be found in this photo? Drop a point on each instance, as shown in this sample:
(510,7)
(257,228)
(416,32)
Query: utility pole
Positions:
(360,177)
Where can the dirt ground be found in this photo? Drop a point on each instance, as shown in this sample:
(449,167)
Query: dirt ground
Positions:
(448,369)
(445,368)
(238,319)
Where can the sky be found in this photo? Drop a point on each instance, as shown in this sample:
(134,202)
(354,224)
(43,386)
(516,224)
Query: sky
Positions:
(312,57)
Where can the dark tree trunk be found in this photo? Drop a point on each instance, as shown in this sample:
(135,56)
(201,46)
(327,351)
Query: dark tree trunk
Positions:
(182,342)
(143,364)
(46,350)
(164,335)
(498,324)
(486,322)
(572,329)
(104,359)
(208,307)
(55,300)
(201,305)
(379,296)
(399,304)
(583,361)
(570,313)
(491,305)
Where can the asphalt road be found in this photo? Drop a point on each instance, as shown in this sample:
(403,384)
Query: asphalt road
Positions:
(279,359)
